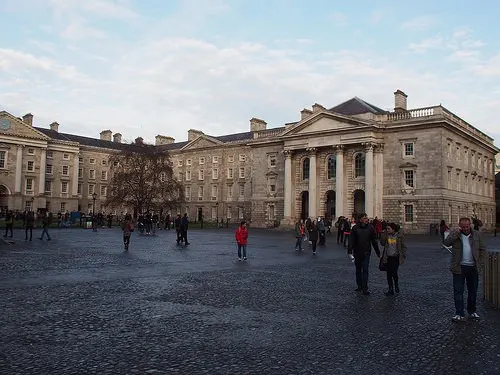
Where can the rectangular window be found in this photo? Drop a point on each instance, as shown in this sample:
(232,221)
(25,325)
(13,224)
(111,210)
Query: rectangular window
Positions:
(31,151)
(80,160)
(64,187)
(271,213)
(65,170)
(29,184)
(215,192)
(50,154)
(230,173)
(408,213)
(48,169)
(92,160)
(188,193)
(63,206)
(201,160)
(3,159)
(201,175)
(80,172)
(272,161)
(104,175)
(466,183)
(104,191)
(180,176)
(104,162)
(48,186)
(66,156)
(31,166)
(229,191)
(179,163)
(458,181)
(92,174)
(189,162)
(201,192)
(449,179)
(230,158)
(215,159)
(241,213)
(409,150)
(242,190)
(91,189)
(242,157)
(228,214)
(242,172)
(188,175)
(458,153)
(79,189)
(410,178)
(215,174)
(214,212)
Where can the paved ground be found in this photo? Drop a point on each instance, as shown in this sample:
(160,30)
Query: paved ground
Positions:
(80,305)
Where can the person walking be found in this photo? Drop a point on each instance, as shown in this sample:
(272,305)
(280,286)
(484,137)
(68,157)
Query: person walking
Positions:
(242,240)
(468,252)
(45,226)
(340,230)
(361,240)
(184,228)
(300,232)
(393,255)
(313,236)
(9,223)
(178,228)
(29,225)
(443,228)
(128,228)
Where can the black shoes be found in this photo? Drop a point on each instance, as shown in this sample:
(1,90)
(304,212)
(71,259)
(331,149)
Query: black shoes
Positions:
(390,292)
(396,288)
(358,289)
(366,292)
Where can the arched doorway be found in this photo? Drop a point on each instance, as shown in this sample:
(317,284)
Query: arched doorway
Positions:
(4,199)
(330,205)
(304,212)
(359,202)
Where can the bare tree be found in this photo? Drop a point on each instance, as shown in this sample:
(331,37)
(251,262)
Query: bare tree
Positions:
(142,178)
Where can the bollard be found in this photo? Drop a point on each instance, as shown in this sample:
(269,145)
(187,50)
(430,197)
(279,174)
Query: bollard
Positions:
(491,278)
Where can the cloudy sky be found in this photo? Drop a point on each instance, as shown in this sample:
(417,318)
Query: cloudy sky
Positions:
(148,67)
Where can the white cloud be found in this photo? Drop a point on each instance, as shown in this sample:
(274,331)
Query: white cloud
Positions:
(420,23)
(339,19)
(98,8)
(488,68)
(430,43)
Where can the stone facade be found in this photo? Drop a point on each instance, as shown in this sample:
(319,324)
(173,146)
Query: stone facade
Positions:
(414,167)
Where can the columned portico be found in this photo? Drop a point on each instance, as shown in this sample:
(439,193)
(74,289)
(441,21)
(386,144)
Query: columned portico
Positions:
(288,188)
(19,169)
(313,193)
(379,181)
(369,180)
(339,181)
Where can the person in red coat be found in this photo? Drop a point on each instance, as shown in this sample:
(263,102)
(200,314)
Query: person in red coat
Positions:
(242,240)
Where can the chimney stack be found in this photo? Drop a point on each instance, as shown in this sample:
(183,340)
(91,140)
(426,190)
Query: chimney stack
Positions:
(400,101)
(193,134)
(117,137)
(256,124)
(54,126)
(28,119)
(163,140)
(106,135)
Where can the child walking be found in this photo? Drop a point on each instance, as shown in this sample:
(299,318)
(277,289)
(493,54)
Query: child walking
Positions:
(242,240)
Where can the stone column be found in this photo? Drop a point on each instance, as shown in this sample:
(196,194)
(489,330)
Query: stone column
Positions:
(339,181)
(19,169)
(41,181)
(74,182)
(288,219)
(369,180)
(379,181)
(313,194)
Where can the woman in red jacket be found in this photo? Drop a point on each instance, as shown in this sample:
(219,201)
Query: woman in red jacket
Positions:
(242,239)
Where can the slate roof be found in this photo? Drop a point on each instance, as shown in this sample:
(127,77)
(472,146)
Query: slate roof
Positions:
(356,106)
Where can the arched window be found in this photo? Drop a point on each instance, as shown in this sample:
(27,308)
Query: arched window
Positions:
(359,165)
(332,167)
(305,169)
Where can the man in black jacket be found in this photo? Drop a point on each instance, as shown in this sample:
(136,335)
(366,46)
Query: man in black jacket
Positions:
(361,240)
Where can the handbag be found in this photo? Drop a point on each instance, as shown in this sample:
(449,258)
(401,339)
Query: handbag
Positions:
(381,265)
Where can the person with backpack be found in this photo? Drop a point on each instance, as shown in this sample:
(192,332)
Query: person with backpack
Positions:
(393,255)
(242,240)
(128,228)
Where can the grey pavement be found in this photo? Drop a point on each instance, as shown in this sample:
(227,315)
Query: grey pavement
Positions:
(79,304)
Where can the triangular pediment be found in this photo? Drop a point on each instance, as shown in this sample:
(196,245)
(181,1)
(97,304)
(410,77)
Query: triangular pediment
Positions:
(202,141)
(14,127)
(323,122)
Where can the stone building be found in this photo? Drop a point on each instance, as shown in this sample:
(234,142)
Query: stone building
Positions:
(412,166)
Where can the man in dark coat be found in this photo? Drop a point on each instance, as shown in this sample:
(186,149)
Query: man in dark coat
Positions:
(361,240)
(184,227)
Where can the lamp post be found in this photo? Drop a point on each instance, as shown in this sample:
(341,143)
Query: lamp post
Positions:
(217,208)
(94,224)
(33,204)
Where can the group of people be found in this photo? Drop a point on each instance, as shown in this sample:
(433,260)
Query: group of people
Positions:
(29,219)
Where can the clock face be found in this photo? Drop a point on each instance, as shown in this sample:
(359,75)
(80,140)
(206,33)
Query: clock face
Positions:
(4,124)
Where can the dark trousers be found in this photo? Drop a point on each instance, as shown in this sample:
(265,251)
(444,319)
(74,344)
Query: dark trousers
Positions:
(8,228)
(340,236)
(314,243)
(45,231)
(392,272)
(185,236)
(179,236)
(362,265)
(242,248)
(346,240)
(30,230)
(470,277)
(126,240)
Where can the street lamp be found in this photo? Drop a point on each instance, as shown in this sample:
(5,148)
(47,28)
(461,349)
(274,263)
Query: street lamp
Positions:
(217,208)
(94,224)
(32,204)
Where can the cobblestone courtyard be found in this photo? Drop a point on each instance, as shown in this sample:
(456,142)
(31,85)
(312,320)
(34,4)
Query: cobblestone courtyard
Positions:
(80,305)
